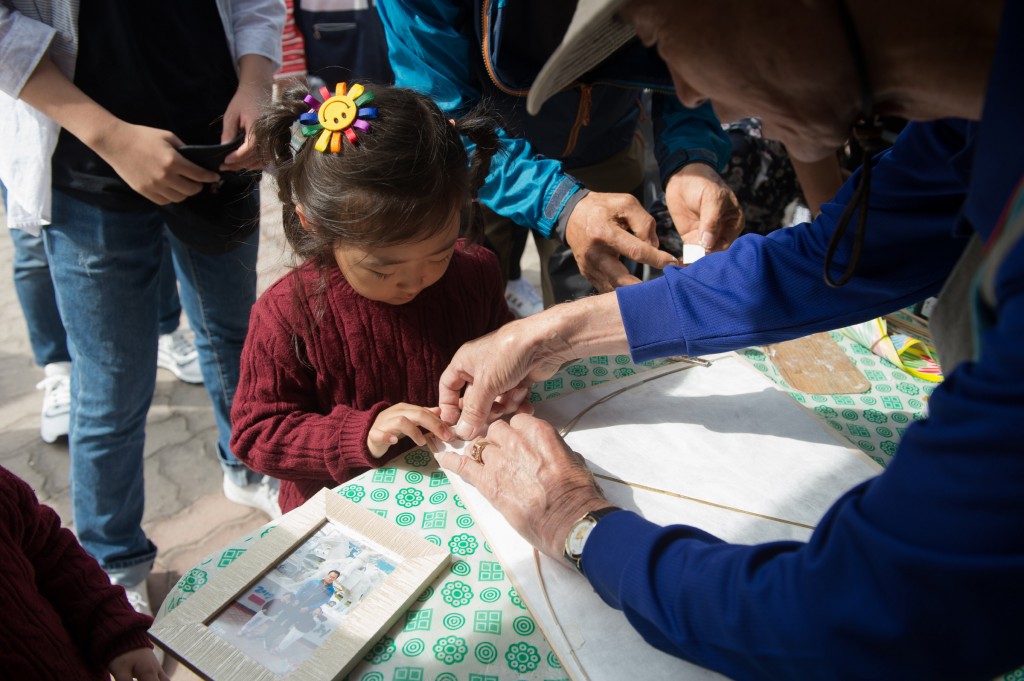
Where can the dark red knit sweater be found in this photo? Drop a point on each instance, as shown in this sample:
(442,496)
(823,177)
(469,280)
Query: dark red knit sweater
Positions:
(307,396)
(61,617)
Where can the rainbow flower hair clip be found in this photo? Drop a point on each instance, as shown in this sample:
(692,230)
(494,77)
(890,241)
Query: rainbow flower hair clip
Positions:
(340,114)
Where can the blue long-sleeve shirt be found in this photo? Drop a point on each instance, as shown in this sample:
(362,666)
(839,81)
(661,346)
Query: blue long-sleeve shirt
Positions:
(919,572)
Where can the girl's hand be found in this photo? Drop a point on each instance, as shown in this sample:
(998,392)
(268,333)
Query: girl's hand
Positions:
(139,664)
(405,420)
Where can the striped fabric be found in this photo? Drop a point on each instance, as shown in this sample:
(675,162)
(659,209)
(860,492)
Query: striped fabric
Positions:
(293,49)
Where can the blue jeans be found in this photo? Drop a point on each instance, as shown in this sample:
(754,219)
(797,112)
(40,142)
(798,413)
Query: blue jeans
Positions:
(34,287)
(106,271)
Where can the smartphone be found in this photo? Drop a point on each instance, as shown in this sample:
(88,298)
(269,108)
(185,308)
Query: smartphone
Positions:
(211,156)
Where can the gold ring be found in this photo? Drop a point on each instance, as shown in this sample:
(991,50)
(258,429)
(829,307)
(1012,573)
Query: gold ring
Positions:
(478,451)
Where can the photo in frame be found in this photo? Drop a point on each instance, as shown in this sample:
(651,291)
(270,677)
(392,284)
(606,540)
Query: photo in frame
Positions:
(306,601)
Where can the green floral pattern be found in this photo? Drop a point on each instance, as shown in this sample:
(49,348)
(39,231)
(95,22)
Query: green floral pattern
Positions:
(463,544)
(522,658)
(381,651)
(409,497)
(457,594)
(193,580)
(451,649)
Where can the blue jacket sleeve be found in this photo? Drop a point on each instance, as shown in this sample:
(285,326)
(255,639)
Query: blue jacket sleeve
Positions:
(914,574)
(430,55)
(766,289)
(685,136)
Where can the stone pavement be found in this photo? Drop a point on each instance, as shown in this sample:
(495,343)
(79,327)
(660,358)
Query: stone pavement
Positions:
(186,516)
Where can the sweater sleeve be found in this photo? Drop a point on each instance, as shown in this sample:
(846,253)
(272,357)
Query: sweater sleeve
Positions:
(278,428)
(96,614)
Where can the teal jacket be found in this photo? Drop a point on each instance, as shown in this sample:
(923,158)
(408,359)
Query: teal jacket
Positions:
(462,51)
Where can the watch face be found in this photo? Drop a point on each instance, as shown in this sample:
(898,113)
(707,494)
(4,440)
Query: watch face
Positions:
(578,536)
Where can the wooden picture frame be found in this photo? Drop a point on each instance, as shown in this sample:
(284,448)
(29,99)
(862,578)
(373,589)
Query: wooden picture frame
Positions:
(206,632)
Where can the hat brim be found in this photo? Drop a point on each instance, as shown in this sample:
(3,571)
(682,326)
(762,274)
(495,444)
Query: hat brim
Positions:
(594,34)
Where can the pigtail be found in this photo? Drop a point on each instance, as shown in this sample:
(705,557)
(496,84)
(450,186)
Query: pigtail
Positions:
(479,126)
(282,156)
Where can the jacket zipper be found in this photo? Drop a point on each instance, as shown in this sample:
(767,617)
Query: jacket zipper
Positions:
(487,61)
(582,119)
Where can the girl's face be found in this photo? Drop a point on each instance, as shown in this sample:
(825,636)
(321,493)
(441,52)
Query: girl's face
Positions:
(396,274)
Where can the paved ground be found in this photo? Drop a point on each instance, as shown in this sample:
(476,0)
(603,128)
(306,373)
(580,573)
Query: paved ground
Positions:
(186,514)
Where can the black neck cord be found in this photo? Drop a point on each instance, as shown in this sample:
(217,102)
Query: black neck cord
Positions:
(868,133)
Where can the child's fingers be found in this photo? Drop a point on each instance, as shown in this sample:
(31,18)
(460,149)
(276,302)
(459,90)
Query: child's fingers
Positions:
(409,427)
(378,441)
(381,436)
(406,420)
(430,420)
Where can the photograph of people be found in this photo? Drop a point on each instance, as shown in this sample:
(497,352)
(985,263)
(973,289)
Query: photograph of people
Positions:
(285,616)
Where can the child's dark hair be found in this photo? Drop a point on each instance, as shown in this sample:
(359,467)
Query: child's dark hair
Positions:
(402,182)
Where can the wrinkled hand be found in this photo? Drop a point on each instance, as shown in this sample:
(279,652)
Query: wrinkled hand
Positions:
(601,228)
(139,664)
(532,477)
(705,211)
(404,420)
(497,371)
(147,159)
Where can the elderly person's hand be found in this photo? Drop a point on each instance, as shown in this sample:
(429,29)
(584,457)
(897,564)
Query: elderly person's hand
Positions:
(532,478)
(497,370)
(705,211)
(601,228)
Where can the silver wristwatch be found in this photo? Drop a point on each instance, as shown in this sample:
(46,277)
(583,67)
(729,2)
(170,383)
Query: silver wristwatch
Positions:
(579,533)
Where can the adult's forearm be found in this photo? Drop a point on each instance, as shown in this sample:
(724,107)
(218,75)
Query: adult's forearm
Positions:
(255,70)
(581,328)
(54,95)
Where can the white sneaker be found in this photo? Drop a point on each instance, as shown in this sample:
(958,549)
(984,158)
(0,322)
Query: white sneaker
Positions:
(260,495)
(56,415)
(138,596)
(522,298)
(176,353)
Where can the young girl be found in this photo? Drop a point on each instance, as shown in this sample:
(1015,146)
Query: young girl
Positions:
(344,351)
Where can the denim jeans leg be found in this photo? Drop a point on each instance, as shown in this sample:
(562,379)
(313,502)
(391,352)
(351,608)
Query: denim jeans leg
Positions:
(34,287)
(217,292)
(170,304)
(106,270)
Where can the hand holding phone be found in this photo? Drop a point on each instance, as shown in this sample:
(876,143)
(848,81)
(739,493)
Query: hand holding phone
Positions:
(211,156)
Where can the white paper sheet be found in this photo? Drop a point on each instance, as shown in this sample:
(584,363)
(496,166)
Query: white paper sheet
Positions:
(747,462)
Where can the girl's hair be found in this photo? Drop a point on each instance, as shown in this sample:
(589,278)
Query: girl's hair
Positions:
(401,183)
